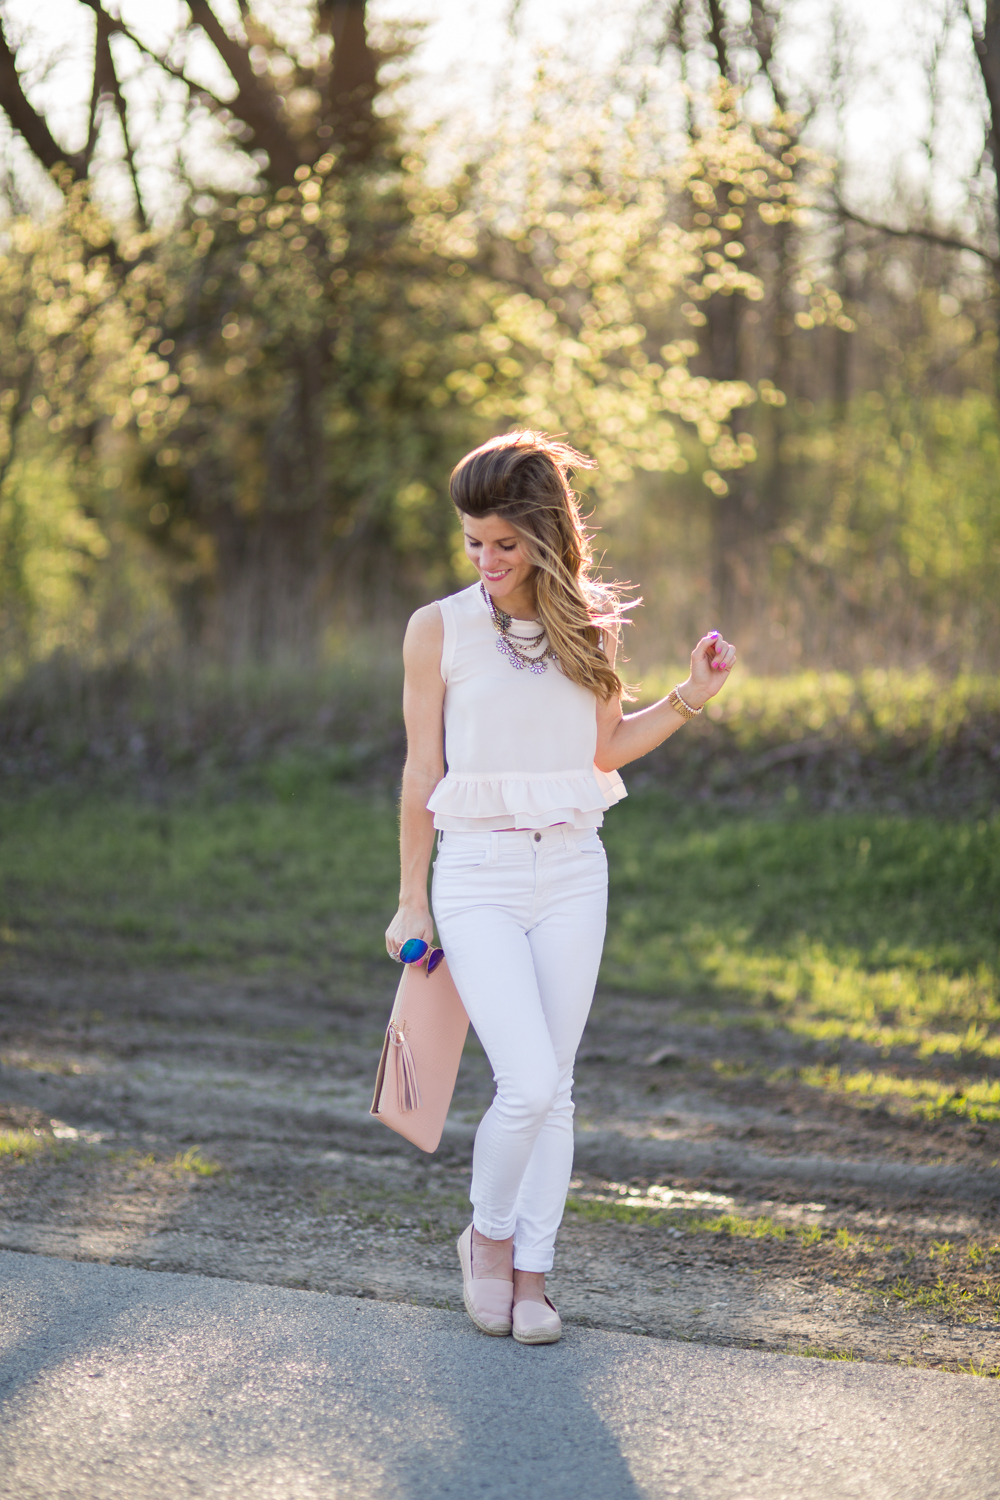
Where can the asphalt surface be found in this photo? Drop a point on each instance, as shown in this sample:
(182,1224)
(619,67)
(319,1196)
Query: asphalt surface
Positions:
(131,1384)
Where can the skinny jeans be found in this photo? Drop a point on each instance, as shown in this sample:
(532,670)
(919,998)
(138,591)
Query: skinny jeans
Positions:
(521,916)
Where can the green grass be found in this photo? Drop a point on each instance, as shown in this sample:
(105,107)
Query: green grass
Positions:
(819,1351)
(22,1144)
(966,1099)
(295,878)
(876,927)
(736,1226)
(967,1304)
(881,928)
(193,1161)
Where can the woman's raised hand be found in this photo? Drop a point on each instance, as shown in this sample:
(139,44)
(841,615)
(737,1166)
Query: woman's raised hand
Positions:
(711,662)
(409,922)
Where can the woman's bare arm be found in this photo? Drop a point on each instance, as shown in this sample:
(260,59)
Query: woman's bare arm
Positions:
(624,737)
(423,712)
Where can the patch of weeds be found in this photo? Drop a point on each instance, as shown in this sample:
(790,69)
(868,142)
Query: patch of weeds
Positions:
(809,1236)
(193,1161)
(977,1253)
(735,1226)
(989,1372)
(730,1069)
(931,1099)
(949,1298)
(21,1145)
(817,1351)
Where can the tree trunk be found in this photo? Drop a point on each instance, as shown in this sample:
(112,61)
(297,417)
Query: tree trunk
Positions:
(987,45)
(268,585)
(732,514)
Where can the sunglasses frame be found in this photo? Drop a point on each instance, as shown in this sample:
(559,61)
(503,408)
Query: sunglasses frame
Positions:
(433,955)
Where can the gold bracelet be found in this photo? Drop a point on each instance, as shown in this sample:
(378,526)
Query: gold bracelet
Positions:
(679,706)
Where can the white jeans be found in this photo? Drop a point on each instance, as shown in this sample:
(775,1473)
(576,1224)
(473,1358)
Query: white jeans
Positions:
(521,917)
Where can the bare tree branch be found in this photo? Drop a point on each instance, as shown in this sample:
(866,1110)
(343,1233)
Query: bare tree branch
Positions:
(256,105)
(914,232)
(717,37)
(93,119)
(347,86)
(30,125)
(104,70)
(764,22)
(353,79)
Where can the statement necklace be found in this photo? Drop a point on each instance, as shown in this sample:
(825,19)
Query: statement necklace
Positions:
(507,645)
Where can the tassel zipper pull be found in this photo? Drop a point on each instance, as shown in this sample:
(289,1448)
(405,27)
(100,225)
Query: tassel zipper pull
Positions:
(407,1088)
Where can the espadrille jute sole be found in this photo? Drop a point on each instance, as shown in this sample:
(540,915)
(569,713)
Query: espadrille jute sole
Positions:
(547,1332)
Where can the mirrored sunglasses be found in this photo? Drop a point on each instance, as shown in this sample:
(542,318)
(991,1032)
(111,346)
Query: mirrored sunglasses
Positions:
(413,951)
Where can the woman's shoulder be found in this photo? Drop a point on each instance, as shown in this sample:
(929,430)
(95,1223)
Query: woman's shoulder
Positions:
(462,600)
(425,629)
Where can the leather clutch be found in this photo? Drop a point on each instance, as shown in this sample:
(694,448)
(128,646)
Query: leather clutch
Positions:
(420,1055)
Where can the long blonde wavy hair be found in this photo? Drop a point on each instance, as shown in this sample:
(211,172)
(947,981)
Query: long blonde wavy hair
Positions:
(524,478)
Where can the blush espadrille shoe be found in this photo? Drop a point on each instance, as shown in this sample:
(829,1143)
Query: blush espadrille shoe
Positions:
(487,1298)
(536,1323)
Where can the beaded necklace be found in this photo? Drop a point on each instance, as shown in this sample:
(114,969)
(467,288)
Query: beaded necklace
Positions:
(507,646)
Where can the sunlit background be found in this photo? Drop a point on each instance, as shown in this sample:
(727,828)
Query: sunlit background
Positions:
(265,275)
(773,339)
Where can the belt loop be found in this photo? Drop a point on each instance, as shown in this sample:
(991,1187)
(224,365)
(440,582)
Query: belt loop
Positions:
(494,848)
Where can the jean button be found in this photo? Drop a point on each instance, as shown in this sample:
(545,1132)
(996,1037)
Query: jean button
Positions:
(538,838)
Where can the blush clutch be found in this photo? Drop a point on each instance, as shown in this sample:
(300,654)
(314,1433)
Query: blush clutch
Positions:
(420,1055)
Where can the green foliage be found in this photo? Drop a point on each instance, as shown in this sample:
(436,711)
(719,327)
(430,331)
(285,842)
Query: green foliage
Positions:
(306,331)
(605,239)
(274,389)
(896,517)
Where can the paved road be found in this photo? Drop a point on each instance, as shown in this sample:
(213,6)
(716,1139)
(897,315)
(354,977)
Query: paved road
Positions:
(135,1385)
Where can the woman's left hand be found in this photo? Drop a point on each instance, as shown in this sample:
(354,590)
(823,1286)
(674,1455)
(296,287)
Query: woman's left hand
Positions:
(711,662)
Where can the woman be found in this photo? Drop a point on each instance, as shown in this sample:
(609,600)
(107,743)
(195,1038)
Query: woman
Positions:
(516,677)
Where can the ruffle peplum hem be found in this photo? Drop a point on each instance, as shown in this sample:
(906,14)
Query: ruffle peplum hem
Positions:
(529,801)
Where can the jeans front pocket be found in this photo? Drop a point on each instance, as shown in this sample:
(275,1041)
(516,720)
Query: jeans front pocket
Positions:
(461,854)
(590,847)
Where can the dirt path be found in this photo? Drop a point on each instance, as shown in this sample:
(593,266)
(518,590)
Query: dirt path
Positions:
(222,1128)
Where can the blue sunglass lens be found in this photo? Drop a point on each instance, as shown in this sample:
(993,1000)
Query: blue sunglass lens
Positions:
(413,950)
(436,956)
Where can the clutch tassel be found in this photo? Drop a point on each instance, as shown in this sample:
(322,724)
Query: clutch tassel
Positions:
(407,1088)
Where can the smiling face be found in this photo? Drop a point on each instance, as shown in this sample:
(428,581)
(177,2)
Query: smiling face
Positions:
(496,550)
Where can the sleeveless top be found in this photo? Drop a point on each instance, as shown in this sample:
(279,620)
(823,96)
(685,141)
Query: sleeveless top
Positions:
(519,746)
